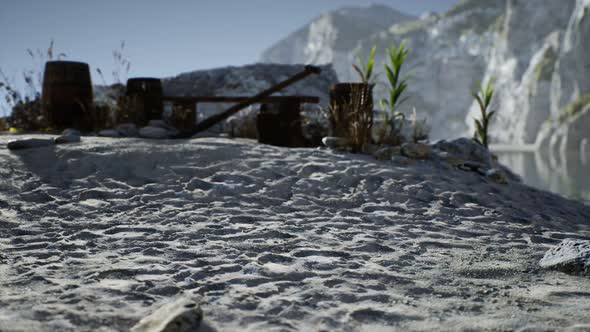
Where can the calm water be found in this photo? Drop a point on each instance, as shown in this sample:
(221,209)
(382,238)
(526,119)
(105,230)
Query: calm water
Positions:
(568,176)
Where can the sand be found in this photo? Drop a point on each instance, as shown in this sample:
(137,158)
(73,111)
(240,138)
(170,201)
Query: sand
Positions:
(94,236)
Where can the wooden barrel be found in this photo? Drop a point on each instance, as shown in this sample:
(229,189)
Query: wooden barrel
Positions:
(184,116)
(67,95)
(340,100)
(279,123)
(148,93)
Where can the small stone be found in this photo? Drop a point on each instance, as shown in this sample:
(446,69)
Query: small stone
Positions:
(160,124)
(181,315)
(466,149)
(65,139)
(71,132)
(496,175)
(335,142)
(570,256)
(474,166)
(29,143)
(153,132)
(109,133)
(416,150)
(127,130)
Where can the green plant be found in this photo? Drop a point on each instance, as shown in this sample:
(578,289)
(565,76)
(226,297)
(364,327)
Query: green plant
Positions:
(483,97)
(397,85)
(365,71)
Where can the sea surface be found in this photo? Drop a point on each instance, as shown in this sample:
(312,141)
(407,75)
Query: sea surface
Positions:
(567,175)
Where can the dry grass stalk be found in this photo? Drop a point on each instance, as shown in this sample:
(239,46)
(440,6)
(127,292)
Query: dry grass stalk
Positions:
(355,118)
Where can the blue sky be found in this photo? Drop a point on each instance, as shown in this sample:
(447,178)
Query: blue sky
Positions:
(163,38)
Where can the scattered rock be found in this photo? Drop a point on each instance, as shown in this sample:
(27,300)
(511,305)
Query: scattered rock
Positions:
(386,153)
(65,139)
(153,132)
(496,175)
(160,124)
(69,135)
(127,130)
(473,166)
(71,132)
(570,256)
(335,142)
(451,159)
(466,149)
(29,143)
(109,133)
(182,315)
(416,150)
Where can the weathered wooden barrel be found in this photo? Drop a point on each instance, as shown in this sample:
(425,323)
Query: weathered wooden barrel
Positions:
(67,95)
(184,116)
(279,123)
(148,93)
(341,95)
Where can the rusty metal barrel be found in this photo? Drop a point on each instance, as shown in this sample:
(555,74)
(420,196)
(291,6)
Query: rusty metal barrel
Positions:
(147,91)
(341,95)
(67,95)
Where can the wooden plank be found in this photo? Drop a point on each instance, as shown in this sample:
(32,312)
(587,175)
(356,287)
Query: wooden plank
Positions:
(239,99)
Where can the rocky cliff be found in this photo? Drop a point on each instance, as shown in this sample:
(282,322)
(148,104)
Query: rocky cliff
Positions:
(448,53)
(331,36)
(537,52)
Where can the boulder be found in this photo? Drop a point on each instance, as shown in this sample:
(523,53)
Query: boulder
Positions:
(68,136)
(29,143)
(182,315)
(127,130)
(416,150)
(154,132)
(570,256)
(160,124)
(65,139)
(71,132)
(466,149)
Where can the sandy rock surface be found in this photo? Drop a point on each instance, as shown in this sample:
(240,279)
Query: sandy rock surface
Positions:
(97,235)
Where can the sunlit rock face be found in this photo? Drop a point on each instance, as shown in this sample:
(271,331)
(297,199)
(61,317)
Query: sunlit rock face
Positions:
(535,50)
(523,62)
(449,53)
(331,37)
(570,89)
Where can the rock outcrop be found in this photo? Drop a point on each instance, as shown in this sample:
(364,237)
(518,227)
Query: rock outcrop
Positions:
(535,50)
(448,53)
(329,38)
(523,62)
